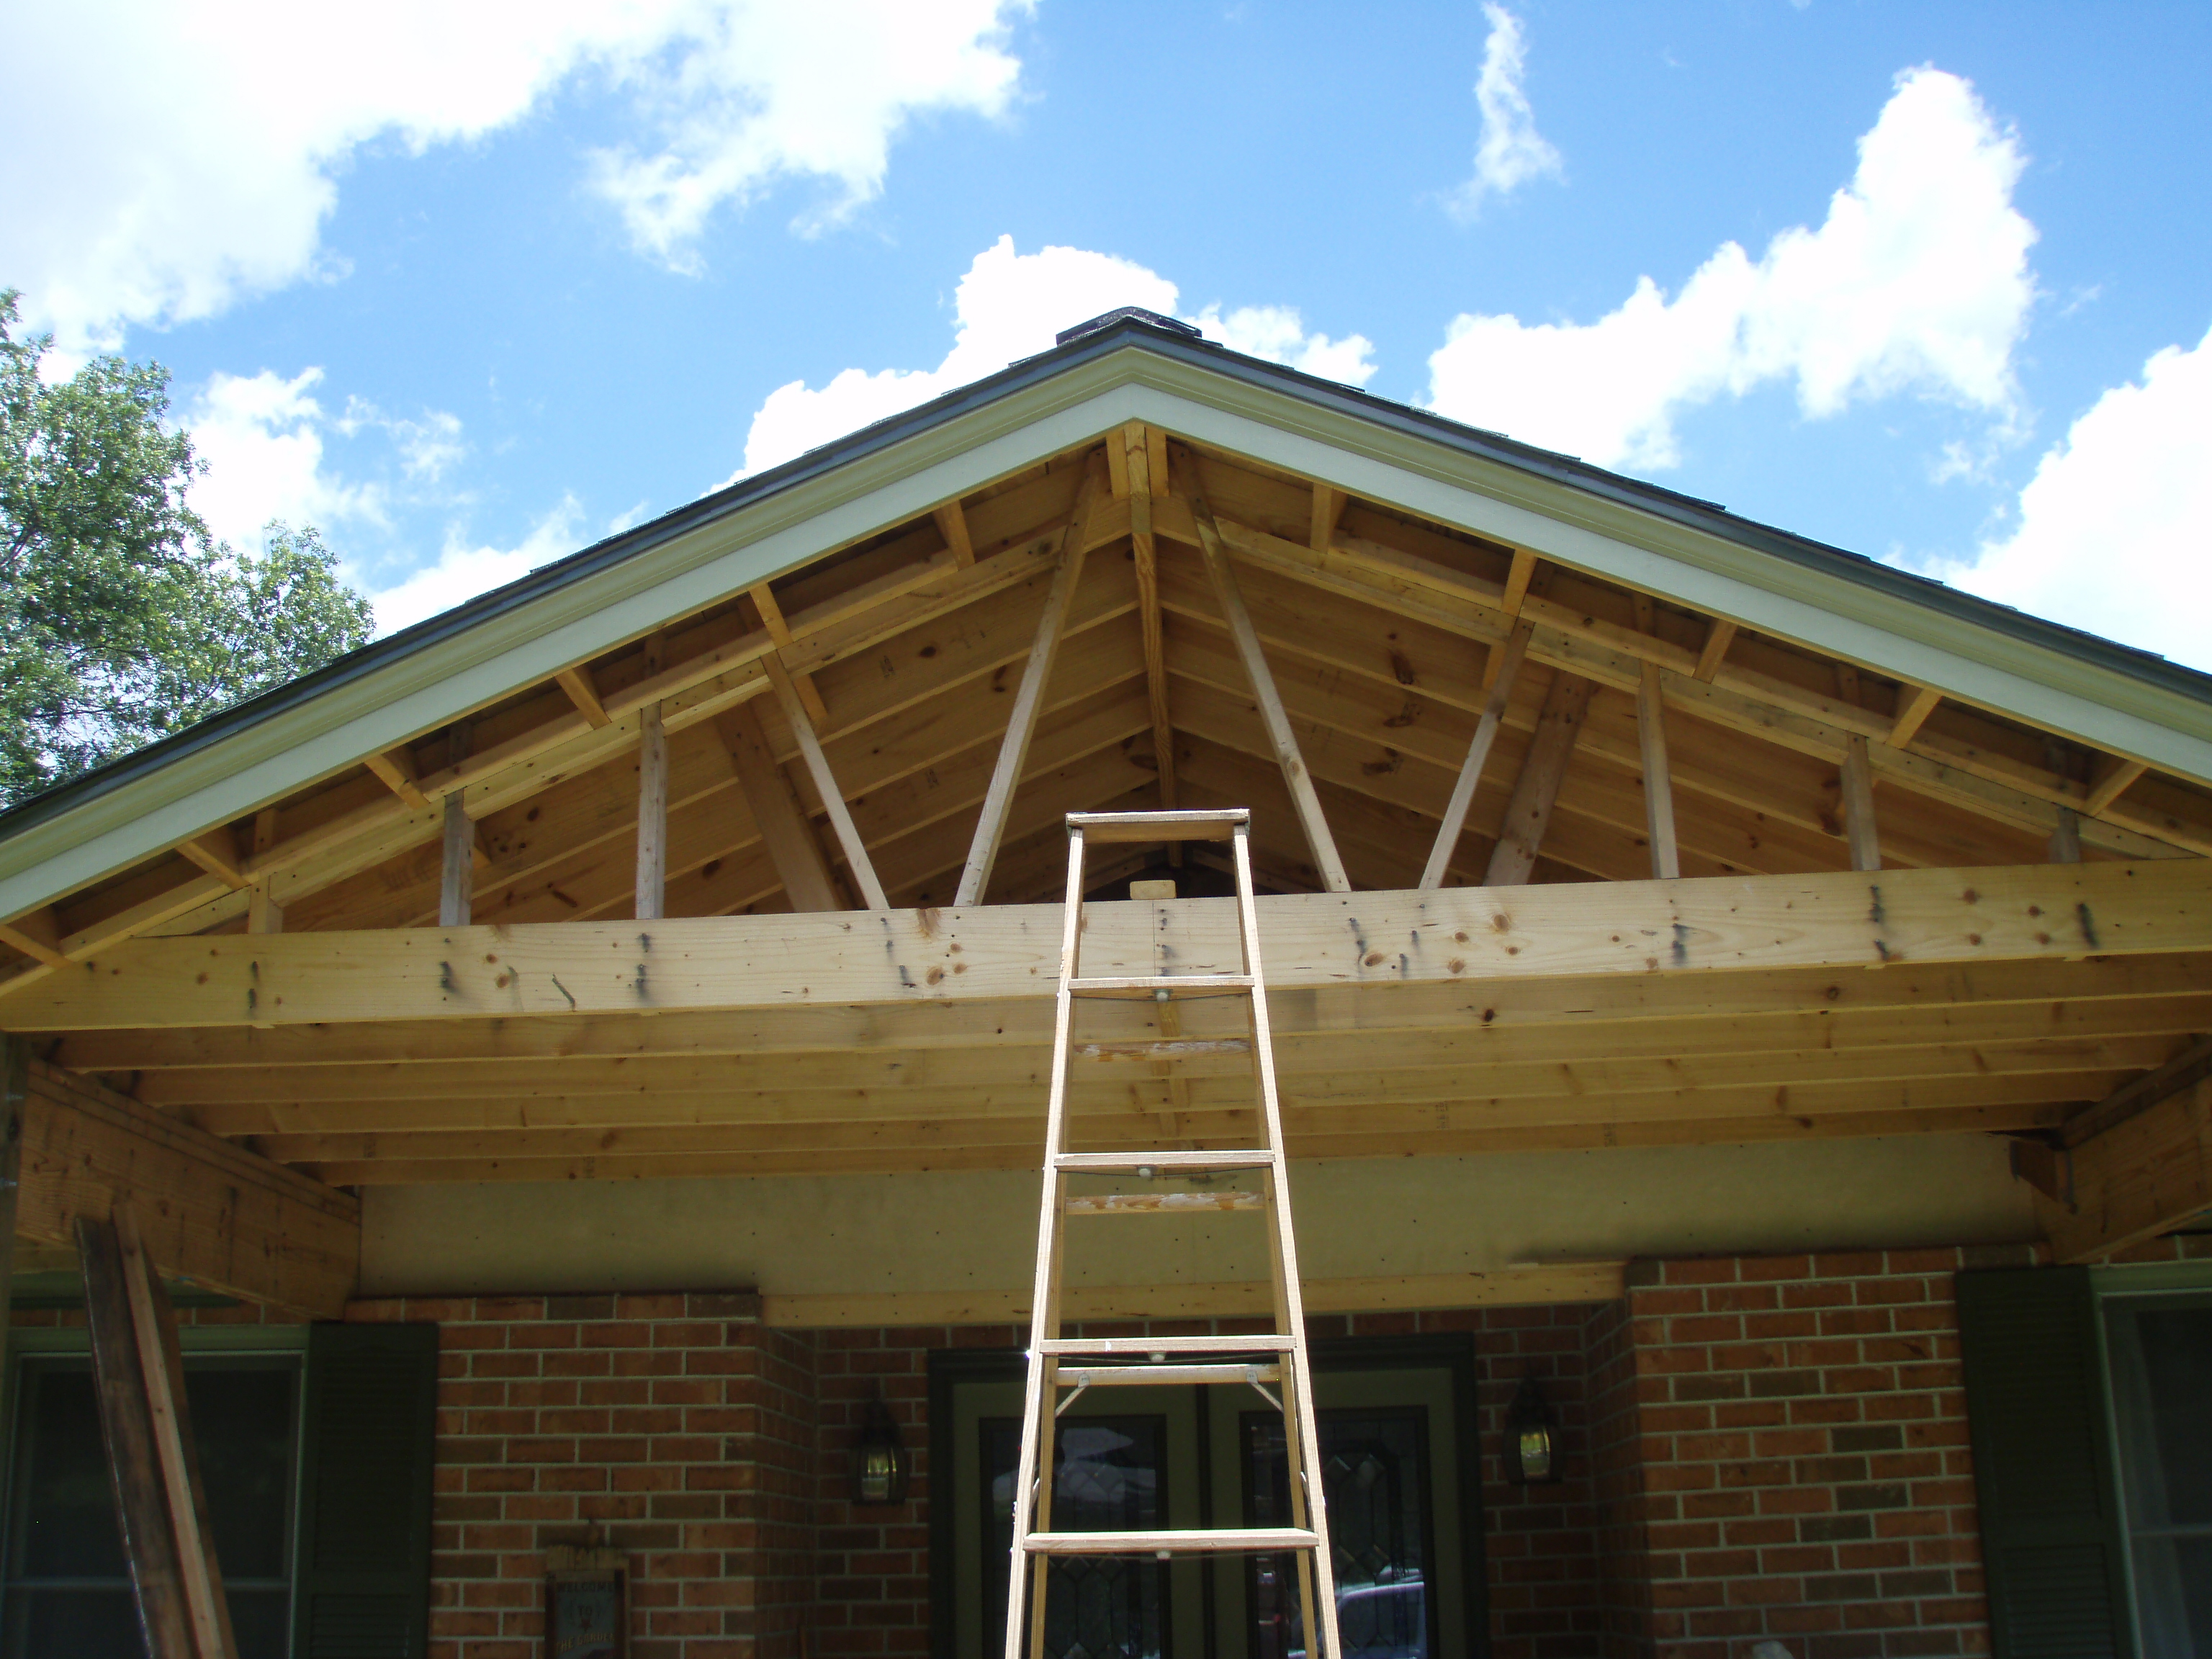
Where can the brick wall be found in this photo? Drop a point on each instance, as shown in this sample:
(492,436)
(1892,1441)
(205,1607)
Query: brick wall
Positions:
(676,1428)
(1758,1449)
(1782,1455)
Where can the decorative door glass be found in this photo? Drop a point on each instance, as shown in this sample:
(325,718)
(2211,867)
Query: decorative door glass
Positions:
(1375,1468)
(1109,1476)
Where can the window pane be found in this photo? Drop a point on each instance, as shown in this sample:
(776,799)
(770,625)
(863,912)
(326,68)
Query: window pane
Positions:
(63,1538)
(242,1421)
(1375,1481)
(66,1528)
(75,1622)
(1108,1477)
(2176,1361)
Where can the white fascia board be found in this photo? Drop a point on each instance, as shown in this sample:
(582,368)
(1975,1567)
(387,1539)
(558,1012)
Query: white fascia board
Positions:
(1773,595)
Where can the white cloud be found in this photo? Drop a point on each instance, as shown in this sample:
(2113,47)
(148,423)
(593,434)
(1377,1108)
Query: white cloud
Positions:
(463,571)
(428,448)
(2114,532)
(1918,281)
(1510,151)
(261,436)
(764,92)
(205,137)
(1010,306)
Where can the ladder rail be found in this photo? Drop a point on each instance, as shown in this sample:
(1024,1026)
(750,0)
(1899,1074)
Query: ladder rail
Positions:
(1055,1361)
(1034,1502)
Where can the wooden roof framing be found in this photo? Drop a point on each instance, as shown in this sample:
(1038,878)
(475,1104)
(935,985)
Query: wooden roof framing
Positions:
(1219,629)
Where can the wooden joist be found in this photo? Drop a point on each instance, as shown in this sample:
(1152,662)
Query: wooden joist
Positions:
(1455,936)
(212,1212)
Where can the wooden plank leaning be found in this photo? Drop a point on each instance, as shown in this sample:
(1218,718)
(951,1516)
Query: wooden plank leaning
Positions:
(152,1461)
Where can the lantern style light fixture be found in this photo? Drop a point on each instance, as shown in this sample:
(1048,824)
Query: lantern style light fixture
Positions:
(879,1459)
(1531,1436)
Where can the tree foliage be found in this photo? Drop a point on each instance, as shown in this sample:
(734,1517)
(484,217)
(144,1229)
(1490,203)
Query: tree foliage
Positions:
(121,619)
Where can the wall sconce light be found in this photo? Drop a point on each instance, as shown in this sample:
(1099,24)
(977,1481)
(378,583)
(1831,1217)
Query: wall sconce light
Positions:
(879,1459)
(1531,1436)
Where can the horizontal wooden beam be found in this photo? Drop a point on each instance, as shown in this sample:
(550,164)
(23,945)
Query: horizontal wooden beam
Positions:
(959,1151)
(1528,1284)
(1456,936)
(212,1212)
(1539,1019)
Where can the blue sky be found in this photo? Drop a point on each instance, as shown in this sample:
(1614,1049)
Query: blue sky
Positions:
(467,291)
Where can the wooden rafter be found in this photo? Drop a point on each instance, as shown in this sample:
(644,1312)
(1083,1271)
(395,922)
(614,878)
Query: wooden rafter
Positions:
(796,851)
(1028,703)
(1511,655)
(779,630)
(857,862)
(1913,714)
(1537,788)
(578,683)
(1718,638)
(1319,840)
(952,524)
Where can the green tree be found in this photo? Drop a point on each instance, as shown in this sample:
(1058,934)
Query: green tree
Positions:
(121,619)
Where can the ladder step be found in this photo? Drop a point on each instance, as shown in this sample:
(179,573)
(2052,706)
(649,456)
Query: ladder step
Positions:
(1251,1158)
(1176,984)
(1217,825)
(1268,1342)
(1162,1048)
(1156,1376)
(1172,1543)
(1163,1203)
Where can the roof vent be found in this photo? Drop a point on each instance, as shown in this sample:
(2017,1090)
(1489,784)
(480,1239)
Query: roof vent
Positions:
(1126,314)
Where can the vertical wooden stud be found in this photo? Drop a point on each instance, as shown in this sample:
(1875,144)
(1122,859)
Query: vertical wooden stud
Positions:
(652,886)
(1858,806)
(1658,782)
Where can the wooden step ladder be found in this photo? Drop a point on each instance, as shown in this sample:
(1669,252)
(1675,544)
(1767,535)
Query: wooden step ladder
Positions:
(1057,1362)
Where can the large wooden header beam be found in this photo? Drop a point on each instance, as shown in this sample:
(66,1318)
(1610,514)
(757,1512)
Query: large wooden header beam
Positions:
(211,1212)
(1464,935)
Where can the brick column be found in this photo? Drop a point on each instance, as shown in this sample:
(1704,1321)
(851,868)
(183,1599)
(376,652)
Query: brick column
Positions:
(1782,1457)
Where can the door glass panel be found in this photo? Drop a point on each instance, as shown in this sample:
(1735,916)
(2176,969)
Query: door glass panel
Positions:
(2161,1355)
(1374,1467)
(1109,1476)
(66,1591)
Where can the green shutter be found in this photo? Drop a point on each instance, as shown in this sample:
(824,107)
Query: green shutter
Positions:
(2035,1409)
(364,1578)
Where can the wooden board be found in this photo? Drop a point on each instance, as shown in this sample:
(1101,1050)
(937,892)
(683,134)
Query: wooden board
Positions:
(212,1212)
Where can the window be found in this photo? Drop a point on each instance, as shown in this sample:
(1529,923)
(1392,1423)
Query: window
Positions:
(2160,1351)
(66,1591)
(315,1452)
